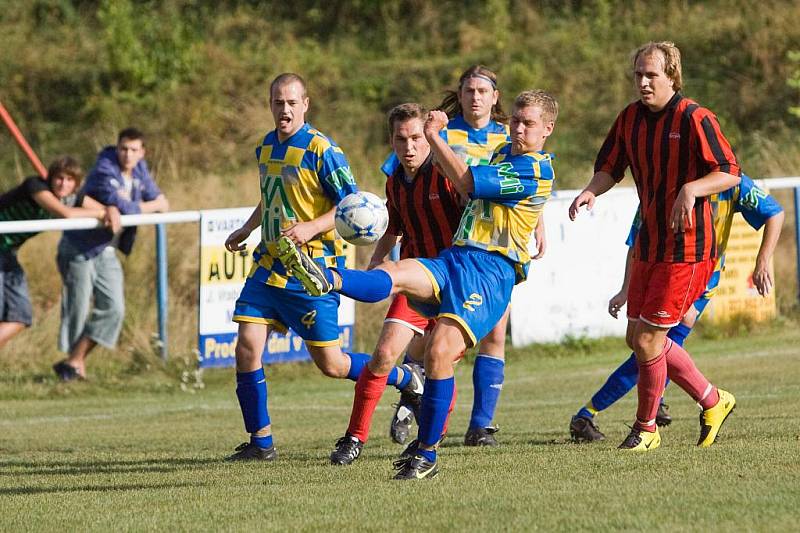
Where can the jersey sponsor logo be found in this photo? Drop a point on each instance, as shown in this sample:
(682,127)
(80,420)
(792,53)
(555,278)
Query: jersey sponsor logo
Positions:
(753,197)
(674,135)
(341,176)
(433,196)
(309,319)
(475,300)
(276,206)
(509,180)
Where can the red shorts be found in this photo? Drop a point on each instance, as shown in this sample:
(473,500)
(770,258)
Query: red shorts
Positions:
(401,313)
(661,293)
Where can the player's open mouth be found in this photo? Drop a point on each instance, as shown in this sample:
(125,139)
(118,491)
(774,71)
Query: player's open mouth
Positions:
(284,121)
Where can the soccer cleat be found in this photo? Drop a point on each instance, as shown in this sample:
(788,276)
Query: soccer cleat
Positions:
(247,451)
(641,441)
(410,451)
(583,429)
(65,371)
(663,418)
(481,437)
(416,467)
(400,427)
(302,267)
(348,449)
(711,419)
(407,409)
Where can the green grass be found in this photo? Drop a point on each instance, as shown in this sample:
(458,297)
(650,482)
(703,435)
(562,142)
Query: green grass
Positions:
(133,458)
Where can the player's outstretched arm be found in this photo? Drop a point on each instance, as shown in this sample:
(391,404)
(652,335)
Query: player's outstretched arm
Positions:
(762,278)
(714,182)
(453,167)
(302,232)
(618,300)
(234,241)
(600,183)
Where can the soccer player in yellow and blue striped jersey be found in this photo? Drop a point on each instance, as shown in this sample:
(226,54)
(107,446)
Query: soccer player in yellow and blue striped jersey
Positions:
(303,175)
(468,286)
(759,209)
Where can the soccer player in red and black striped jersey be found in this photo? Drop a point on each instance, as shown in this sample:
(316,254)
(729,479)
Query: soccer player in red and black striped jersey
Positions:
(678,157)
(424,212)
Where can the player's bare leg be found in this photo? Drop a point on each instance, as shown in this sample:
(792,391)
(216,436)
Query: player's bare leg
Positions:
(251,389)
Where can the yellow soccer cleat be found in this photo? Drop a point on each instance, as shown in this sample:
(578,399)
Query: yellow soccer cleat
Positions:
(711,419)
(641,441)
(302,267)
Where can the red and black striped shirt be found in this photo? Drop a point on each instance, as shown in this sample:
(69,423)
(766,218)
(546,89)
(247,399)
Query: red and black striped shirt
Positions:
(425,210)
(665,150)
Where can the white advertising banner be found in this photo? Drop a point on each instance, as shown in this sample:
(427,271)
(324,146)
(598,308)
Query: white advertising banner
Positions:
(567,292)
(222,275)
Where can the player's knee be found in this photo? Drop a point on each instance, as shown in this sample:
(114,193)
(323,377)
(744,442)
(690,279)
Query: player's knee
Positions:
(331,370)
(247,353)
(382,360)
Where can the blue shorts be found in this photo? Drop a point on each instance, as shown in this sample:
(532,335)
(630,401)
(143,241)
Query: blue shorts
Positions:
(314,319)
(473,287)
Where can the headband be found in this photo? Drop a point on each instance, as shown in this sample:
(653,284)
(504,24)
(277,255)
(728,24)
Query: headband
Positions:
(481,77)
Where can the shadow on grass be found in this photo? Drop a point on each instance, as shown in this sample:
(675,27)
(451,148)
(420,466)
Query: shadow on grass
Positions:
(20,468)
(97,488)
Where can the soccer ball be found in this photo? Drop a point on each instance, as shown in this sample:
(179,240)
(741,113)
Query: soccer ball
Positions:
(361,218)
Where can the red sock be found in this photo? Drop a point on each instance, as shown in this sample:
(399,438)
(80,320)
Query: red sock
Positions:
(652,379)
(682,370)
(369,389)
(450,410)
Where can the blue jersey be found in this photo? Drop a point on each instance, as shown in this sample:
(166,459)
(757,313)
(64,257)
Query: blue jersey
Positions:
(509,195)
(301,179)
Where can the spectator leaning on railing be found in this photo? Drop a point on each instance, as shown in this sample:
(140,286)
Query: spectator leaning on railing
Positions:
(88,261)
(34,199)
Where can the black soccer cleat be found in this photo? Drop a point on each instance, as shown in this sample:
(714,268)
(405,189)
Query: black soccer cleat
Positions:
(247,451)
(583,429)
(65,371)
(663,418)
(481,437)
(407,409)
(409,451)
(416,467)
(400,426)
(348,449)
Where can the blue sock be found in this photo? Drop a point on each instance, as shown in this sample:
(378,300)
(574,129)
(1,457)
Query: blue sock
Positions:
(487,380)
(399,382)
(365,286)
(433,412)
(618,384)
(357,363)
(430,455)
(251,389)
(679,333)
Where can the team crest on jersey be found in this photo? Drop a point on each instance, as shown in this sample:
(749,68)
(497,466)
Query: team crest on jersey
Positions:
(674,135)
(309,319)
(753,197)
(475,300)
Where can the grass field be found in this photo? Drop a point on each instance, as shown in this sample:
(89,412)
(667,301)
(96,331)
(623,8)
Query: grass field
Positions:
(133,458)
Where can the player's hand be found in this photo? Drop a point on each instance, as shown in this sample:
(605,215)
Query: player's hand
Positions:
(541,240)
(616,302)
(301,232)
(435,122)
(235,241)
(681,217)
(112,219)
(586,198)
(762,279)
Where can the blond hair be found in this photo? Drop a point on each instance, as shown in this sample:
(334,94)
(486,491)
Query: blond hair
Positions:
(545,101)
(672,59)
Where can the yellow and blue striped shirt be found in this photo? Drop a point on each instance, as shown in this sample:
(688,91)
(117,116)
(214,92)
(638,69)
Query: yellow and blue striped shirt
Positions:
(301,179)
(504,207)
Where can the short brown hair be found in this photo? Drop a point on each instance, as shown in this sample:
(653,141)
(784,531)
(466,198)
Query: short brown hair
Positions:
(285,79)
(65,165)
(545,101)
(131,134)
(672,59)
(403,112)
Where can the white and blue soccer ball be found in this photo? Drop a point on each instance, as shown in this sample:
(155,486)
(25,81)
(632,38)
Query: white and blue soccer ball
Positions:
(361,218)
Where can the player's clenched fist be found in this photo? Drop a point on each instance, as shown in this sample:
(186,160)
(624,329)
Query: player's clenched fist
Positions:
(435,122)
(235,241)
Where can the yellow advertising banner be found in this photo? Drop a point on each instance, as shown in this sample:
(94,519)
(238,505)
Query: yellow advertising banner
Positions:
(736,294)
